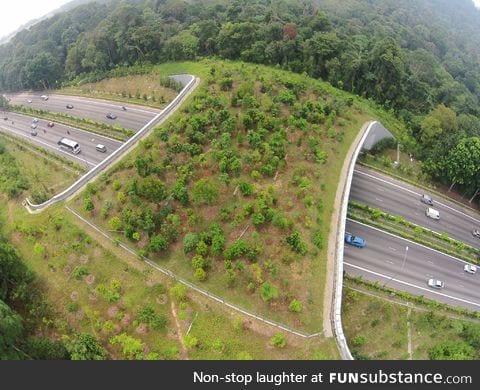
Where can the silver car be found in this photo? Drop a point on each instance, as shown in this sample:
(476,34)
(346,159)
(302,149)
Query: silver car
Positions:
(435,283)
(427,199)
(470,268)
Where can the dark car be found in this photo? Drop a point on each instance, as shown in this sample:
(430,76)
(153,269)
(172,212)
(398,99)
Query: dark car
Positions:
(427,199)
(357,241)
(33,132)
(111,116)
(50,124)
(476,233)
(69,106)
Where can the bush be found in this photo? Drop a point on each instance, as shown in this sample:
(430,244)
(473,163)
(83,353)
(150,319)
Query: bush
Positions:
(115,223)
(179,292)
(200,274)
(296,243)
(295,306)
(245,188)
(190,242)
(268,292)
(278,340)
(205,191)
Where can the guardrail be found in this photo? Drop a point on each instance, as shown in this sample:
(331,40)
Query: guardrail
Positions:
(338,279)
(115,156)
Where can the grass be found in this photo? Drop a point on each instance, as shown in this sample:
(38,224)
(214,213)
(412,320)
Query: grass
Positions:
(80,306)
(298,277)
(143,90)
(376,326)
(44,174)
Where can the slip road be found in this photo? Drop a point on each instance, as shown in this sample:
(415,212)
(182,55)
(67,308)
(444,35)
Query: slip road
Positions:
(246,379)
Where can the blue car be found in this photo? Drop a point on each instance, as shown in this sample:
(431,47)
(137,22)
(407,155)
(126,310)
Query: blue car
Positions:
(357,241)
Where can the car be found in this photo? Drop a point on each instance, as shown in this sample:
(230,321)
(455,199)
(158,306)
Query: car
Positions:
(69,106)
(44,97)
(29,100)
(5,118)
(33,125)
(435,283)
(33,132)
(101,148)
(432,213)
(111,116)
(476,233)
(470,268)
(427,199)
(50,124)
(35,120)
(357,241)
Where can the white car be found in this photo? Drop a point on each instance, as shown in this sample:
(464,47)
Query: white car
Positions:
(470,268)
(435,283)
(29,100)
(432,213)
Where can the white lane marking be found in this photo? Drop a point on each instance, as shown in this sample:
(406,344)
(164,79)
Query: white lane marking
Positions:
(38,141)
(418,194)
(412,285)
(393,249)
(380,200)
(390,262)
(431,262)
(380,189)
(412,242)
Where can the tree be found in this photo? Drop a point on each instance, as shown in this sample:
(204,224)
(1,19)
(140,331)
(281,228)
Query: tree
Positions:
(451,350)
(85,346)
(132,348)
(463,161)
(158,243)
(11,329)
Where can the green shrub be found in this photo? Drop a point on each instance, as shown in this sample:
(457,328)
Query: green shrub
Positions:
(278,340)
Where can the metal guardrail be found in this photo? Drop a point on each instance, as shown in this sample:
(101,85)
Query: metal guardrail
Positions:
(338,279)
(115,156)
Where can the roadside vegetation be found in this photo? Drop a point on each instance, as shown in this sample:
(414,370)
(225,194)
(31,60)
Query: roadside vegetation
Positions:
(379,324)
(31,171)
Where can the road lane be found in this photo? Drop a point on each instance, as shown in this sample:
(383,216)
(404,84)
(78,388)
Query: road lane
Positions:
(49,136)
(397,198)
(384,255)
(135,117)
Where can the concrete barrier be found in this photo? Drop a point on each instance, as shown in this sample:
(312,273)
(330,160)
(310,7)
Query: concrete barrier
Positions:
(338,279)
(120,152)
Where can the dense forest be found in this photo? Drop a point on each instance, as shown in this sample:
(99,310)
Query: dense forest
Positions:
(418,59)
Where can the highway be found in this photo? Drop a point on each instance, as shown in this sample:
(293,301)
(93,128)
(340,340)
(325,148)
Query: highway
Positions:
(48,137)
(134,118)
(398,198)
(386,260)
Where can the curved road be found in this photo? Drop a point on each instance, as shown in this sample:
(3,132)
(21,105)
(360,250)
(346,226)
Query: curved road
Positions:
(96,109)
(399,198)
(385,259)
(48,137)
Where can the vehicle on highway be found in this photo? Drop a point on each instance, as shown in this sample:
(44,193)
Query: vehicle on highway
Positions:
(33,132)
(435,283)
(470,268)
(432,213)
(124,108)
(111,116)
(70,145)
(101,148)
(50,124)
(29,100)
(5,118)
(427,199)
(35,120)
(69,106)
(44,97)
(357,241)
(476,233)
(33,125)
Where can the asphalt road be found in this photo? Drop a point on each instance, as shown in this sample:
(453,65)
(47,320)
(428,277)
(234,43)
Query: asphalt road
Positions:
(398,198)
(134,118)
(385,259)
(48,137)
